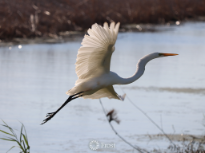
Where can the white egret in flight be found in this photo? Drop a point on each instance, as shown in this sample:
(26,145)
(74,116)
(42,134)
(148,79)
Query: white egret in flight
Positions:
(95,80)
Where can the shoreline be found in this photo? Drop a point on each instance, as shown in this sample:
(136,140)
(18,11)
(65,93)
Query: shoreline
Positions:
(69,36)
(34,19)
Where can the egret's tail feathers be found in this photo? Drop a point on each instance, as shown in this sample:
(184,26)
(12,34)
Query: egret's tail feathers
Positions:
(72,91)
(68,92)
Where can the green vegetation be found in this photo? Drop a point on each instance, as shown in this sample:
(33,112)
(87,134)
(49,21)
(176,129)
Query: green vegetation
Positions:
(22,141)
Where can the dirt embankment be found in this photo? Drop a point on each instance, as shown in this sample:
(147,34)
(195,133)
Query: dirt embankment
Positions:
(49,18)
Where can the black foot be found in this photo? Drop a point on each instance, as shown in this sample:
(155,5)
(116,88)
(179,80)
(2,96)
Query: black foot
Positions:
(49,116)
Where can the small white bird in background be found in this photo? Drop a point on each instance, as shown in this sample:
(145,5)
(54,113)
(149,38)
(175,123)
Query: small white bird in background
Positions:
(95,80)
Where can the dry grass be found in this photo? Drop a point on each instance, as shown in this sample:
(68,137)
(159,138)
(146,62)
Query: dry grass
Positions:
(26,19)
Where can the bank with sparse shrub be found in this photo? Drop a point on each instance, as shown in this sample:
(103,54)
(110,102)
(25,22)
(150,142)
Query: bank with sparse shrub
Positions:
(36,18)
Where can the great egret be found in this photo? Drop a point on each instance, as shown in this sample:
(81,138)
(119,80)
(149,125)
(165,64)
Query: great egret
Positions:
(95,80)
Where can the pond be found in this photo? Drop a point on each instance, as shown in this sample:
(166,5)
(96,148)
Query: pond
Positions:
(35,77)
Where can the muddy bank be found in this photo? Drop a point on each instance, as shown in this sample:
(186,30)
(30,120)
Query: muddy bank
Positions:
(30,19)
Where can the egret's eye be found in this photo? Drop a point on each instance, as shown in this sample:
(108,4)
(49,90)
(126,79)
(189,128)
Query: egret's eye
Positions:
(160,54)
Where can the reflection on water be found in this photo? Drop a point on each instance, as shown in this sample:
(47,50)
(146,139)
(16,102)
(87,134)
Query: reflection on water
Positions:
(34,79)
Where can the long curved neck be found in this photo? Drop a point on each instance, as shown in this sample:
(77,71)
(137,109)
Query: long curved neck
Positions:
(139,72)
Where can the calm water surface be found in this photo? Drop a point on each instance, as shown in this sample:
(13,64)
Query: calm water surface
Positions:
(34,79)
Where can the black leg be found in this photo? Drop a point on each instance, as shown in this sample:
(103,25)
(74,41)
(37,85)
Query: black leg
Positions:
(52,114)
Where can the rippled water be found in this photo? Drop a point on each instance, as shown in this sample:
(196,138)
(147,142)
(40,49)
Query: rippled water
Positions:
(34,79)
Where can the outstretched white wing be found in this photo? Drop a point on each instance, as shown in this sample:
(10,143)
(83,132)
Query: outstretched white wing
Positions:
(94,57)
(95,53)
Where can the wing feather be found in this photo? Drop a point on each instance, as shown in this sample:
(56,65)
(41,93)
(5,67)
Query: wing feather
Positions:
(95,53)
(108,92)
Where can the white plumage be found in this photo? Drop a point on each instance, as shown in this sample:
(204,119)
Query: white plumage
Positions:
(94,57)
(96,50)
(95,80)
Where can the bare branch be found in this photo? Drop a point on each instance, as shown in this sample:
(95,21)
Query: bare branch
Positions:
(106,114)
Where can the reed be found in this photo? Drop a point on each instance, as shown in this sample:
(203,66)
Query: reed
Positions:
(22,141)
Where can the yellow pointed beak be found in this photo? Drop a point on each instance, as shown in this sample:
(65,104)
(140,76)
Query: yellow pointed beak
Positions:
(168,54)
